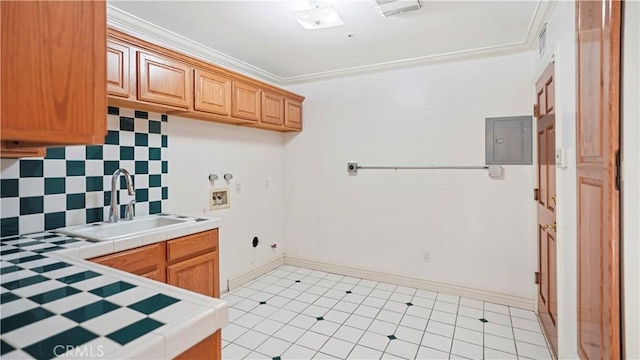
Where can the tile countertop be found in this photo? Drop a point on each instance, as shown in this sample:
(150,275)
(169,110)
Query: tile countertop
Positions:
(54,301)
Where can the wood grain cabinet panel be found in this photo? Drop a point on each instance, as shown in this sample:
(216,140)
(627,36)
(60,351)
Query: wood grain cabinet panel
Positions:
(147,261)
(118,69)
(212,92)
(192,245)
(272,108)
(205,349)
(53,88)
(293,114)
(163,80)
(195,274)
(246,101)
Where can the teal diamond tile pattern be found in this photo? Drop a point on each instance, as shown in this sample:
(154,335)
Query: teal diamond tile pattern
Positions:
(70,172)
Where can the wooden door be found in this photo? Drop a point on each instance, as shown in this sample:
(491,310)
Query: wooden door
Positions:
(546,209)
(272,108)
(117,69)
(212,92)
(598,127)
(53,88)
(293,114)
(163,80)
(196,274)
(246,101)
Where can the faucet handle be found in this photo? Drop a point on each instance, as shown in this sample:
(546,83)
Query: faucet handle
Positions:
(129,210)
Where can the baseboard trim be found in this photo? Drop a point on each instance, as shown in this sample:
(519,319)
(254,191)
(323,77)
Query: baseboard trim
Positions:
(448,288)
(257,271)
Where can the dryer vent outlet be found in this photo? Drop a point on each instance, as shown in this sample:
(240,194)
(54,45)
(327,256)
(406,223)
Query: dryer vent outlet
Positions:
(255,241)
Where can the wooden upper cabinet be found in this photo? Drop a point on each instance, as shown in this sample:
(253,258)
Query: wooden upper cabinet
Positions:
(293,114)
(246,101)
(162,80)
(53,87)
(118,69)
(212,92)
(272,108)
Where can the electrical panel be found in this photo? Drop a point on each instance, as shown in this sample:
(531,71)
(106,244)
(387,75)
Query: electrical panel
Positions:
(508,140)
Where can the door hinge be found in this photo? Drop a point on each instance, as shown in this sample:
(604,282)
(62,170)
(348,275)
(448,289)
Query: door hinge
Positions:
(537,277)
(535,194)
(536,111)
(618,169)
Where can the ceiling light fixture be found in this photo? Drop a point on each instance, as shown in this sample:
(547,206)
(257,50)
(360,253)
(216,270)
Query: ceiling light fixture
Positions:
(319,16)
(395,7)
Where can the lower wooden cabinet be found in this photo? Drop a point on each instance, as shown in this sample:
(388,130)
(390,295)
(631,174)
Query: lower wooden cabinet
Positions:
(189,262)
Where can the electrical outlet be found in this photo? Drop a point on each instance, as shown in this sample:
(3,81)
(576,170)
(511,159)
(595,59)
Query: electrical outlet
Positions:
(238,188)
(266,185)
(427,256)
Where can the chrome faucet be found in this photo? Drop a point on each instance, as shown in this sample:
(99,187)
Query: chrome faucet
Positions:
(114,211)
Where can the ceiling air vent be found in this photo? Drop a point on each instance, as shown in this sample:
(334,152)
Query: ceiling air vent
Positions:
(395,7)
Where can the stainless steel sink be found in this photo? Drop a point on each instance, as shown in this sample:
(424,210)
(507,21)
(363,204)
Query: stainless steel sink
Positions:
(123,229)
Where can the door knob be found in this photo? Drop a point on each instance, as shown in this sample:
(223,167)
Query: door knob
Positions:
(549,226)
(554,199)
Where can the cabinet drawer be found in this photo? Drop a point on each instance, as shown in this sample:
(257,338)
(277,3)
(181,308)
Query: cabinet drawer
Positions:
(146,260)
(192,245)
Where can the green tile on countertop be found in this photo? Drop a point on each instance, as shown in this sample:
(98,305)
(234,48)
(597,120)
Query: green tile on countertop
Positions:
(72,337)
(50,267)
(65,241)
(25,259)
(8,297)
(29,243)
(5,348)
(16,284)
(153,304)
(10,251)
(134,331)
(23,319)
(78,277)
(111,289)
(48,249)
(90,311)
(54,294)
(9,269)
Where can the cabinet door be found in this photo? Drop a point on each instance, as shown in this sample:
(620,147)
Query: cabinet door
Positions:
(196,274)
(212,92)
(147,261)
(293,114)
(163,81)
(117,69)
(272,108)
(53,88)
(208,348)
(246,101)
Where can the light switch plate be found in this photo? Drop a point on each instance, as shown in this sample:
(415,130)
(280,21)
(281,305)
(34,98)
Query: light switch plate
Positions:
(561,157)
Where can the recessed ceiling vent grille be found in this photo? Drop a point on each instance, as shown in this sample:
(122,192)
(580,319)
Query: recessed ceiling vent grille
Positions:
(396,7)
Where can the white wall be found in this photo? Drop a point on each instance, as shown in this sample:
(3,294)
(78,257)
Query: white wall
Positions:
(631,176)
(198,148)
(480,231)
(561,45)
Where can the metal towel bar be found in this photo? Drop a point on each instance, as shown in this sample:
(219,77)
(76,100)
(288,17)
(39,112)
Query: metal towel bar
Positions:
(354,167)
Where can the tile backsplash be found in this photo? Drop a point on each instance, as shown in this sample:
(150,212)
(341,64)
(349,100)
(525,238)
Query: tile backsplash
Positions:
(72,185)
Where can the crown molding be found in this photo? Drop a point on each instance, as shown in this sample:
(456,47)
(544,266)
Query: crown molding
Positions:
(136,26)
(133,25)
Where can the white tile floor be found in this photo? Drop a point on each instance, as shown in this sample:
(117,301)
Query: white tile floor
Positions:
(297,313)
